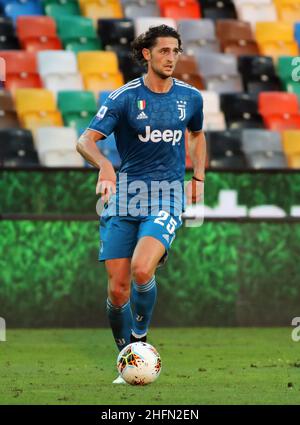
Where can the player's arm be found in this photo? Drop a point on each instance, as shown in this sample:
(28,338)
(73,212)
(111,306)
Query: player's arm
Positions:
(197,152)
(86,146)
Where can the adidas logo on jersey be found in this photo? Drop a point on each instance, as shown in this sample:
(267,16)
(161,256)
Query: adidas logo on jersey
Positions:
(142,116)
(158,136)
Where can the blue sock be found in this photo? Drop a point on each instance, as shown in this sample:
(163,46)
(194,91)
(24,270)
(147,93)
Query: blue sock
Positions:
(120,319)
(143,299)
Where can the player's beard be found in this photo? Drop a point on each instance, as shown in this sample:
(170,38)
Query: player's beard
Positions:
(160,73)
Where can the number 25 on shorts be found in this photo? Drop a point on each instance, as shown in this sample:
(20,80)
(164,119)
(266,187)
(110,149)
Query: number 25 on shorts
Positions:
(162,220)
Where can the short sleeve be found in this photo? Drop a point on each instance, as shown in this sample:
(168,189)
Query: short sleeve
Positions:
(107,118)
(196,121)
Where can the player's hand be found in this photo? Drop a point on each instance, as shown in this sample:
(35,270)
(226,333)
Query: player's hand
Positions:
(194,192)
(106,185)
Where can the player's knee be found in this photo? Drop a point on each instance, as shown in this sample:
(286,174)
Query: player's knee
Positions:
(141,273)
(118,293)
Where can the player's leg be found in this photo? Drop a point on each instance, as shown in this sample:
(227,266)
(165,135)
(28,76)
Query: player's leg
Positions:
(145,259)
(155,236)
(118,301)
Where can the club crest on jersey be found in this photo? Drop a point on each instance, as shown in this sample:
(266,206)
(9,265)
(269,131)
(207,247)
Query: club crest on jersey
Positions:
(181,104)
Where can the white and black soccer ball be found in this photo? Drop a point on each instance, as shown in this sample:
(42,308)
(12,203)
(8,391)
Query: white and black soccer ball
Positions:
(139,363)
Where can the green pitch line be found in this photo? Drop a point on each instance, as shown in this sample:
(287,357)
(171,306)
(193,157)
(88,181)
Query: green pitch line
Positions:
(200,366)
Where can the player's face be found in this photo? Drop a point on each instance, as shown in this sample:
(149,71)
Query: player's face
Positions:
(162,58)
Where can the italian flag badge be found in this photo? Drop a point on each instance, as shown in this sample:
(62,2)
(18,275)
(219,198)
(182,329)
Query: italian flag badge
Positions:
(141,104)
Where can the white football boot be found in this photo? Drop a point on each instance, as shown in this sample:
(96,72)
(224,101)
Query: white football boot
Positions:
(119,380)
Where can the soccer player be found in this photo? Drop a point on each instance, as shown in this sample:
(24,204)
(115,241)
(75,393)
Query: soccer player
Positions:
(148,116)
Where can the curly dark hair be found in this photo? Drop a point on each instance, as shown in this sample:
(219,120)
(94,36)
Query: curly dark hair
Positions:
(149,38)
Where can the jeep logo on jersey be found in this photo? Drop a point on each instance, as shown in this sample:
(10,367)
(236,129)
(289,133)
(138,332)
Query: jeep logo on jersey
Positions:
(158,136)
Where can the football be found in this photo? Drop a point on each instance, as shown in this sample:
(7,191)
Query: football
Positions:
(139,363)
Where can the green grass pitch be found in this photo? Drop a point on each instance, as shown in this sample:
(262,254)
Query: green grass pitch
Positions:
(199,366)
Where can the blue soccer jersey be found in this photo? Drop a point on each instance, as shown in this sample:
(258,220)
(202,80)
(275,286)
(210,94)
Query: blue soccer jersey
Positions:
(150,130)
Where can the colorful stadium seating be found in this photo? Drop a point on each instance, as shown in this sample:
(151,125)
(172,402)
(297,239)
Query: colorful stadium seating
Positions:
(198,36)
(16,148)
(236,37)
(291,146)
(59,71)
(263,149)
(37,108)
(96,9)
(56,147)
(115,31)
(77,108)
(21,69)
(37,33)
(100,71)
(225,150)
(180,9)
(241,66)
(8,39)
(8,115)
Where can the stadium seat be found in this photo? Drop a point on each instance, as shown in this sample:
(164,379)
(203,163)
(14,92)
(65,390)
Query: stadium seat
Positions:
(37,108)
(67,8)
(129,67)
(219,72)
(78,33)
(58,69)
(96,9)
(115,31)
(24,7)
(240,111)
(142,24)
(56,147)
(16,148)
(214,121)
(277,103)
(256,12)
(135,9)
(100,70)
(259,74)
(263,149)
(281,122)
(21,69)
(180,9)
(218,9)
(225,149)
(77,108)
(236,37)
(276,39)
(8,39)
(280,111)
(288,10)
(291,147)
(187,71)
(8,115)
(37,33)
(198,36)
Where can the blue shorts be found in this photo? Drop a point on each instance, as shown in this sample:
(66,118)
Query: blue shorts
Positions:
(120,234)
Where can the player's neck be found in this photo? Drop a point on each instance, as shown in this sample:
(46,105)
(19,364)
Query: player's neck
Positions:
(157,84)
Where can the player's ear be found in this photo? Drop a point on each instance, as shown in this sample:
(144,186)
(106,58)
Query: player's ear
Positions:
(146,53)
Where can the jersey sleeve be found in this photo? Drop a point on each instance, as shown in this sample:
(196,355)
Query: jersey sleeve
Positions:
(196,121)
(107,118)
